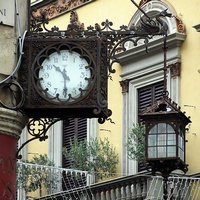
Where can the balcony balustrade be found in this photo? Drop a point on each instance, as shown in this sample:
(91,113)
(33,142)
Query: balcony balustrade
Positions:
(141,186)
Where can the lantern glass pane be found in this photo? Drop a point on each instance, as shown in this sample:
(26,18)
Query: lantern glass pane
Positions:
(152,152)
(171,151)
(162,152)
(181,147)
(162,139)
(181,154)
(153,130)
(161,128)
(171,139)
(152,140)
(170,129)
(180,141)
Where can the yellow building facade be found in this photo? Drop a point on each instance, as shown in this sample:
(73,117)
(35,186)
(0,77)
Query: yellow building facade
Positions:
(99,11)
(140,69)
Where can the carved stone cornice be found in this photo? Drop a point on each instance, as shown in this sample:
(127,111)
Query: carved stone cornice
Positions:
(56,8)
(12,122)
(175,69)
(125,85)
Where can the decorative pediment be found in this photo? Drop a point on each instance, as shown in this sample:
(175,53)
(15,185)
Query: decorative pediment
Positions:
(153,7)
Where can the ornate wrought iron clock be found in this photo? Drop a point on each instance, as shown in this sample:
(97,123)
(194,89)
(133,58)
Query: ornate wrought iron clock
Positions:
(64,77)
(65,73)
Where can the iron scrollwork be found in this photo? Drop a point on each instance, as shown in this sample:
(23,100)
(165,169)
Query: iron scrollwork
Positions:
(114,40)
(38,128)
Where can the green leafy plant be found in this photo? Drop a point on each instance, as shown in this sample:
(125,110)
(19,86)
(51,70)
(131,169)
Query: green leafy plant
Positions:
(32,178)
(136,143)
(97,155)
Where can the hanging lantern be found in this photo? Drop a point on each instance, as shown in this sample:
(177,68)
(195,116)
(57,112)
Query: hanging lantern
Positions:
(165,136)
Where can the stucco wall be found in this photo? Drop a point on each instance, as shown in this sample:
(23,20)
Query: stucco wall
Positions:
(10,34)
(190,79)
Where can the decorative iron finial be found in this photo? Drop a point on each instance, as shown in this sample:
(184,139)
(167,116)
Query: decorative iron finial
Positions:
(75,25)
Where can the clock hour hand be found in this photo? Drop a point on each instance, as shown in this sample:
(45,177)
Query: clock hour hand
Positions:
(57,69)
(65,77)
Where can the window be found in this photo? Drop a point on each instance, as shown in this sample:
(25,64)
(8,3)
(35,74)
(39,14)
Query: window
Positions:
(149,94)
(144,72)
(72,128)
(162,145)
(146,97)
(77,128)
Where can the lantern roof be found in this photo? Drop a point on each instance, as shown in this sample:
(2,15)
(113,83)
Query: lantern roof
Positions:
(166,109)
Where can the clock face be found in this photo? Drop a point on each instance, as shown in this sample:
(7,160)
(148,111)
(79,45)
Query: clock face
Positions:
(64,75)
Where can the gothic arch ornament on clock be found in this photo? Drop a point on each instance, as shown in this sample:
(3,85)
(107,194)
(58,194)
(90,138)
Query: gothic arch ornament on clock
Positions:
(63,73)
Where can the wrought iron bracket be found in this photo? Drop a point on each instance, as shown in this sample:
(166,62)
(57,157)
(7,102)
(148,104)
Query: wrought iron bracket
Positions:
(38,129)
(114,39)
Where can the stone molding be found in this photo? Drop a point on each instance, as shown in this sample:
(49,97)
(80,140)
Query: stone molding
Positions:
(125,85)
(12,122)
(175,69)
(56,8)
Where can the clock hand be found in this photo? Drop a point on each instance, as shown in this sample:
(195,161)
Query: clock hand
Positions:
(65,91)
(66,78)
(57,68)
(65,75)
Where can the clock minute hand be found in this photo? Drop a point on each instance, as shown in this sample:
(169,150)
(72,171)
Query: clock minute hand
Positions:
(65,75)
(65,91)
(66,78)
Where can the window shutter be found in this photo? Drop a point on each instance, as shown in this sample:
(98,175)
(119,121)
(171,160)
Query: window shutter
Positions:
(146,97)
(75,128)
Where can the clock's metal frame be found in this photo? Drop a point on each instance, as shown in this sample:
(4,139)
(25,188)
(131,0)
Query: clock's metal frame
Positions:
(92,103)
(101,42)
